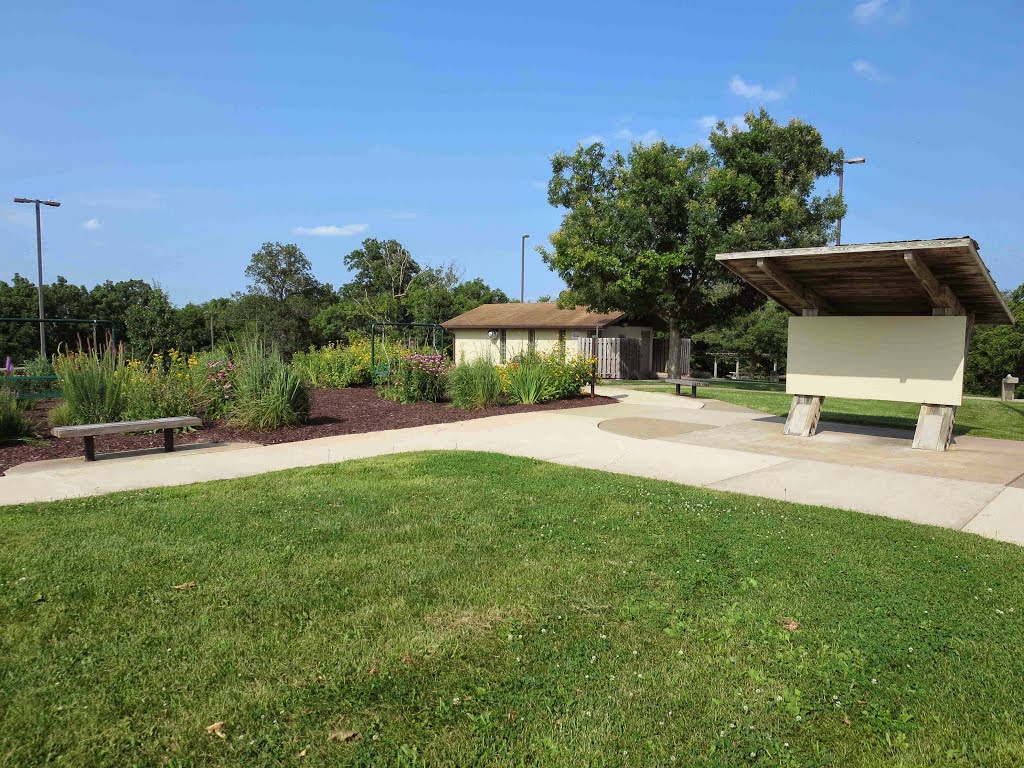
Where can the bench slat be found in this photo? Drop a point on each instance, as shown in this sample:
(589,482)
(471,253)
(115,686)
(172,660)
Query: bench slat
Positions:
(121,427)
(688,382)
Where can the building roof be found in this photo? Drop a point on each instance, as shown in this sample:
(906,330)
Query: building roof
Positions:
(909,277)
(531,315)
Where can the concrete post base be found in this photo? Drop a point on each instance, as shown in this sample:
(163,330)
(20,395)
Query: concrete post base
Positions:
(934,427)
(804,414)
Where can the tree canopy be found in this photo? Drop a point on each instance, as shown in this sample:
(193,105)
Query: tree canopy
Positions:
(641,230)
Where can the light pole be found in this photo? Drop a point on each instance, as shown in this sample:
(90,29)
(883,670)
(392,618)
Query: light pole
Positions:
(39,261)
(522,271)
(839,224)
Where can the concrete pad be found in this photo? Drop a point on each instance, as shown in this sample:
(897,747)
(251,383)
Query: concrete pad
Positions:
(935,501)
(648,429)
(1002,519)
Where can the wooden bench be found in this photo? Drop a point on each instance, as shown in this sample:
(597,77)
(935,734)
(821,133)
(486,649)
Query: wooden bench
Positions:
(691,383)
(89,431)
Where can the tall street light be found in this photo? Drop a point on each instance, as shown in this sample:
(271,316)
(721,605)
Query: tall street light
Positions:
(522,272)
(839,224)
(39,261)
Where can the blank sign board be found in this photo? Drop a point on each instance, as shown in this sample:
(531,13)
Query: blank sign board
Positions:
(907,359)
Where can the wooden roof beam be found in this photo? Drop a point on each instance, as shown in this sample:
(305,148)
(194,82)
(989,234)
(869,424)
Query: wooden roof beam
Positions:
(940,295)
(801,293)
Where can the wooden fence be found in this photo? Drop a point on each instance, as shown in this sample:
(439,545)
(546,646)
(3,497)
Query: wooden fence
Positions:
(616,358)
(661,356)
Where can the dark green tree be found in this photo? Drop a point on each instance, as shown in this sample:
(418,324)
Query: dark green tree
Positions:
(997,350)
(283,298)
(641,230)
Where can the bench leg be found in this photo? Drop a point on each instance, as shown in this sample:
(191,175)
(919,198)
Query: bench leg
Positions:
(678,392)
(90,448)
(168,440)
(693,391)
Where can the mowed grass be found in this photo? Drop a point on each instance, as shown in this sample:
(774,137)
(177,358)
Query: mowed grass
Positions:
(977,416)
(472,609)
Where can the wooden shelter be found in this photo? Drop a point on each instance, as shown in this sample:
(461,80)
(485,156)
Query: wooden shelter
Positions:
(878,320)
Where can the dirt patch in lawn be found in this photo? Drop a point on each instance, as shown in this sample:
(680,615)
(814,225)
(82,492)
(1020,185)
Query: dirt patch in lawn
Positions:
(332,412)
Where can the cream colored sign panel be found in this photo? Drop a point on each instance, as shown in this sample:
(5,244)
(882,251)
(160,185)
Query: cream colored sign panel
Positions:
(908,359)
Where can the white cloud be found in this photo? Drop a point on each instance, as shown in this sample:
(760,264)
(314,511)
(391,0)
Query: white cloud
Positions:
(647,137)
(866,69)
(331,230)
(868,11)
(709,122)
(754,91)
(871,11)
(92,225)
(586,141)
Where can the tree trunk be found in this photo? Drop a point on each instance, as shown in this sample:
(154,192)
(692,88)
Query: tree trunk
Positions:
(675,349)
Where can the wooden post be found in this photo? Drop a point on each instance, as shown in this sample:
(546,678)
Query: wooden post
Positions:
(168,440)
(90,448)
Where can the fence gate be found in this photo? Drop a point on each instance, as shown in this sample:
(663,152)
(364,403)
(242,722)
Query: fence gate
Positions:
(616,358)
(661,356)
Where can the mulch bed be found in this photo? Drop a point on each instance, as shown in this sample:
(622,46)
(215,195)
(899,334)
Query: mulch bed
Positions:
(332,412)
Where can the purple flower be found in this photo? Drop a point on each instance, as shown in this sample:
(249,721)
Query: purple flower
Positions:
(8,366)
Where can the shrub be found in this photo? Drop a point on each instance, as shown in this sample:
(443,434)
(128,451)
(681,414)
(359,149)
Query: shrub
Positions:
(93,385)
(568,375)
(162,388)
(267,393)
(476,384)
(416,377)
(213,380)
(334,365)
(12,421)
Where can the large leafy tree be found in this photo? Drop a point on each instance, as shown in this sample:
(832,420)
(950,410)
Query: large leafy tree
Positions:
(437,294)
(283,298)
(383,271)
(641,230)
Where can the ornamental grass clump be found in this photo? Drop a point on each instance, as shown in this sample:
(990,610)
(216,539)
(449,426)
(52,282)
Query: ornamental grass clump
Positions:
(93,384)
(12,422)
(476,384)
(527,379)
(267,393)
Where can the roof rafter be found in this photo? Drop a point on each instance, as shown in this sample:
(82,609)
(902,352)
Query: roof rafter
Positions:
(941,296)
(786,281)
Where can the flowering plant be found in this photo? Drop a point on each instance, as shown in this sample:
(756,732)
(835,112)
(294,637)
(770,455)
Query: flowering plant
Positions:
(417,377)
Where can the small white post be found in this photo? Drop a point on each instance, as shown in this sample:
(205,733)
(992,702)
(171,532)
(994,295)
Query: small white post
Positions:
(716,367)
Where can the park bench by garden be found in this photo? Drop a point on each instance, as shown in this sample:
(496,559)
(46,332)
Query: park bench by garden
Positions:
(89,431)
(691,383)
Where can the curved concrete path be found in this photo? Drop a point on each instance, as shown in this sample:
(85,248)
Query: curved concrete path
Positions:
(872,471)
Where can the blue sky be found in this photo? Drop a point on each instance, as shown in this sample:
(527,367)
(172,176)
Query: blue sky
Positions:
(181,136)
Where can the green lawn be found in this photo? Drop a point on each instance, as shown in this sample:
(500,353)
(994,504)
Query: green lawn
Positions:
(977,416)
(465,609)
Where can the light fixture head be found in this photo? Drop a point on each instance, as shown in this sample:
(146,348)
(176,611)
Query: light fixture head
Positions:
(855,160)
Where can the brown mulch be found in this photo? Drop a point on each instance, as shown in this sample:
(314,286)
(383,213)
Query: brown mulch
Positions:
(332,412)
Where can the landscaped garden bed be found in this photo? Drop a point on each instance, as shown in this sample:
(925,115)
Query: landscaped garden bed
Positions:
(332,412)
(247,392)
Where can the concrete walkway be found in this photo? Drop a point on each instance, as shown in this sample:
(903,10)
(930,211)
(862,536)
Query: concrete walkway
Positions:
(694,442)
